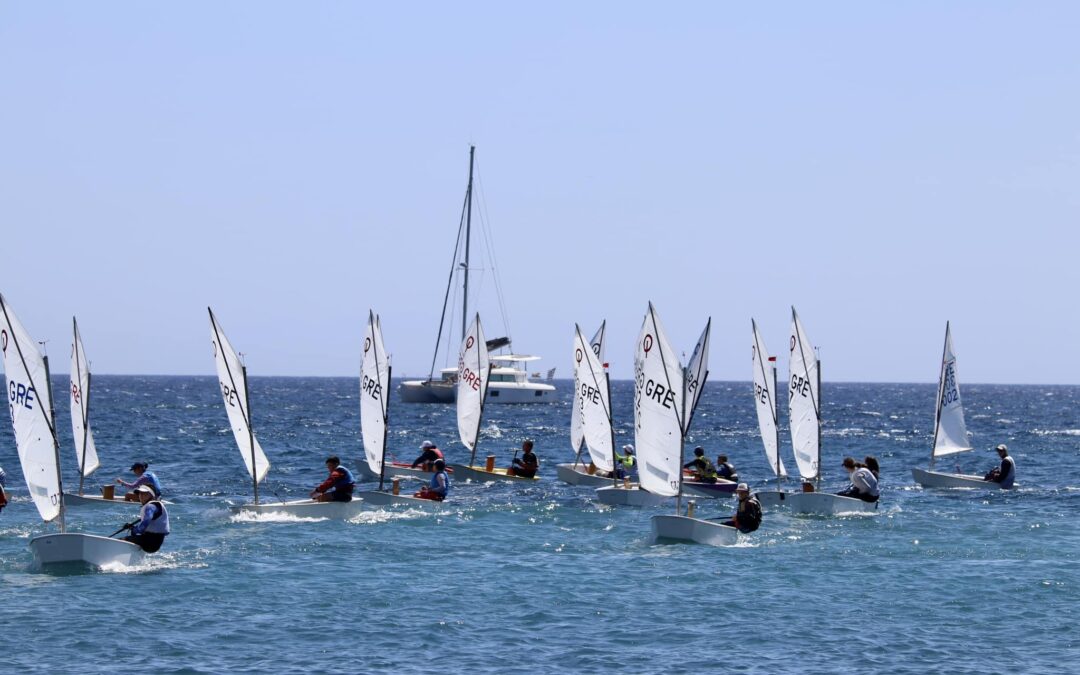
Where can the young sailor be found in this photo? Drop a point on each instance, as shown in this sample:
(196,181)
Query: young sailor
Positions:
(338,487)
(142,477)
(725,469)
(150,530)
(527,466)
(863,486)
(747,516)
(702,466)
(1004,475)
(429,453)
(624,463)
(439,487)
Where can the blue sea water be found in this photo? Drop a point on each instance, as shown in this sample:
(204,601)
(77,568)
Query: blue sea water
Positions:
(541,578)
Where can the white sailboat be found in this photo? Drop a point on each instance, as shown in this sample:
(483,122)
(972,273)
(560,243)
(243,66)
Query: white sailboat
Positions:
(590,389)
(665,395)
(34,422)
(375,418)
(804,416)
(508,380)
(765,389)
(950,431)
(85,450)
(232,376)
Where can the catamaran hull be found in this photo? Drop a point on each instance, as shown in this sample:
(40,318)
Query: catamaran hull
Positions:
(87,549)
(519,392)
(376,499)
(633,496)
(814,503)
(306,508)
(721,488)
(479,474)
(683,529)
(934,479)
(577,474)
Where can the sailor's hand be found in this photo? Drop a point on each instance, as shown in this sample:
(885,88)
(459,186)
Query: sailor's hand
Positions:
(119,481)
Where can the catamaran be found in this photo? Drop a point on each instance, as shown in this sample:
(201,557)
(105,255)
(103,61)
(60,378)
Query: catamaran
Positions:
(34,422)
(591,389)
(804,415)
(232,376)
(508,381)
(85,450)
(375,418)
(474,368)
(950,432)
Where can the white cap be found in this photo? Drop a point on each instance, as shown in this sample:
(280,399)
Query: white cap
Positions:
(427,445)
(742,487)
(147,489)
(628,448)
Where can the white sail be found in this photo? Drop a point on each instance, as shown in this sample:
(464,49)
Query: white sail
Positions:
(950,434)
(85,450)
(577,431)
(765,402)
(472,384)
(234,392)
(697,371)
(596,406)
(30,404)
(658,409)
(804,401)
(374,386)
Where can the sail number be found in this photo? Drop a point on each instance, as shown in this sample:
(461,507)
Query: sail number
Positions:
(20,394)
(950,394)
(761,394)
(371,387)
(229,393)
(590,393)
(469,377)
(799,385)
(660,393)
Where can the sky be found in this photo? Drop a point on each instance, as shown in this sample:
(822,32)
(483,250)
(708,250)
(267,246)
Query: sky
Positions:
(882,167)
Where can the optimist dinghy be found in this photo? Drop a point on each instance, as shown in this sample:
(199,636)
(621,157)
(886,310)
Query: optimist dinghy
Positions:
(579,473)
(375,418)
(474,367)
(804,414)
(232,376)
(33,419)
(950,431)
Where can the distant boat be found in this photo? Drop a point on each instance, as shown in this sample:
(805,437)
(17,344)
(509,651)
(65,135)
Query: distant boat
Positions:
(34,422)
(509,382)
(804,416)
(950,431)
(593,390)
(232,376)
(765,390)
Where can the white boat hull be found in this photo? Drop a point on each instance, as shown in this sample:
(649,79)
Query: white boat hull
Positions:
(680,528)
(814,503)
(396,470)
(577,474)
(306,508)
(519,392)
(718,490)
(376,499)
(633,496)
(935,479)
(87,549)
(72,500)
(479,474)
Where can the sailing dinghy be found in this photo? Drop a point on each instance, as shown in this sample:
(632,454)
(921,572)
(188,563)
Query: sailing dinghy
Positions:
(375,418)
(765,388)
(588,391)
(34,422)
(950,431)
(232,376)
(804,415)
(474,367)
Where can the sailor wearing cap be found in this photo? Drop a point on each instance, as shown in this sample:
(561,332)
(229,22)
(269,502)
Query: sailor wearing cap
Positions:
(150,530)
(142,477)
(747,516)
(428,454)
(1004,475)
(625,462)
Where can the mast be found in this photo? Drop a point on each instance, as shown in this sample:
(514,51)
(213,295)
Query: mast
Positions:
(941,386)
(84,406)
(386,419)
(251,434)
(468,234)
(817,409)
(56,443)
(611,427)
(776,423)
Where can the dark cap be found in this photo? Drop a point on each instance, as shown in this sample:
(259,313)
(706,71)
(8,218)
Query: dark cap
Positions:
(699,450)
(848,463)
(140,465)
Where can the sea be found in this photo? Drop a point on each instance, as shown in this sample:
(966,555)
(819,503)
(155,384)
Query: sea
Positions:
(542,578)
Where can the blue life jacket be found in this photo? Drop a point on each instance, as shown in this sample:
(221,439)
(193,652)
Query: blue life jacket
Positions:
(434,484)
(346,482)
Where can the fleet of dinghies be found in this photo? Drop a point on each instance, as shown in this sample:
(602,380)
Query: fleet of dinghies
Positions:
(666,395)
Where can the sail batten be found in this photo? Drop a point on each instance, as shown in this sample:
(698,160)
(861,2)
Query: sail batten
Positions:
(30,405)
(234,393)
(765,402)
(950,431)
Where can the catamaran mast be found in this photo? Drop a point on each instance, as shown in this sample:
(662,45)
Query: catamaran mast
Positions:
(468,234)
(56,443)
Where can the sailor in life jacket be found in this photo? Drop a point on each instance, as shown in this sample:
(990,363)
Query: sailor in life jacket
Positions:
(439,487)
(429,452)
(142,477)
(338,487)
(864,485)
(747,516)
(725,469)
(150,530)
(702,466)
(624,463)
(1004,475)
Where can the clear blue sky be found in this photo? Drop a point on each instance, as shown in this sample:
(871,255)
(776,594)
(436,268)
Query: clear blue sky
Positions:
(882,166)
